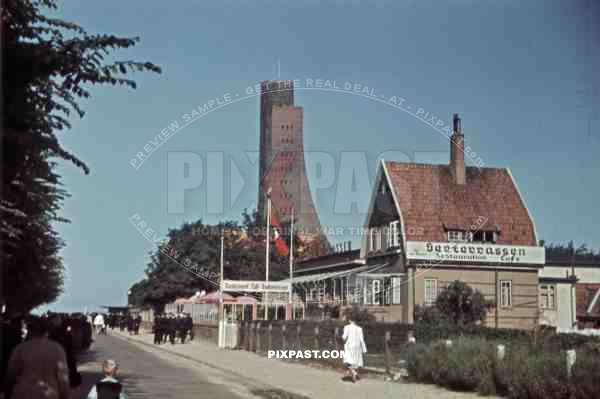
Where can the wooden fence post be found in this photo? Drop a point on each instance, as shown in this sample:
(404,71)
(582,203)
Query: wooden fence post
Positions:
(248,336)
(571,357)
(388,353)
(500,351)
(258,337)
(240,335)
(336,338)
(253,337)
(298,340)
(317,337)
(283,343)
(269,347)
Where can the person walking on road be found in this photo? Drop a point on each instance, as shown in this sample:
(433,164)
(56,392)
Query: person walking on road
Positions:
(38,367)
(354,348)
(108,387)
(99,323)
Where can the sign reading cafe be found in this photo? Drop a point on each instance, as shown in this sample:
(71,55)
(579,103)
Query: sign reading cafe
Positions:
(255,286)
(469,252)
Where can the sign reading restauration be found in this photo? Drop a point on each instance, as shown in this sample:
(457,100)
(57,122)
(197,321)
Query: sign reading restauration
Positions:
(255,286)
(470,252)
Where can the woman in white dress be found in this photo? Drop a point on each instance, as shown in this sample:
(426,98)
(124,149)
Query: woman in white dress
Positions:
(354,347)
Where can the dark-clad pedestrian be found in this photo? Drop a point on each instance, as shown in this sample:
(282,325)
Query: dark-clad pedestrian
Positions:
(12,336)
(172,328)
(137,324)
(59,332)
(181,330)
(189,326)
(158,327)
(38,367)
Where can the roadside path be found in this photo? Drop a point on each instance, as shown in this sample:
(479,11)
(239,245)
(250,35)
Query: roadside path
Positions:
(154,374)
(247,368)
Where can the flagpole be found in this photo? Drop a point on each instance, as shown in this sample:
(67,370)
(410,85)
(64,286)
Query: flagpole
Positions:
(291,302)
(291,254)
(266,298)
(221,309)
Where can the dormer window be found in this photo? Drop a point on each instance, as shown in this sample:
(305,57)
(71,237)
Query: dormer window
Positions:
(485,237)
(459,236)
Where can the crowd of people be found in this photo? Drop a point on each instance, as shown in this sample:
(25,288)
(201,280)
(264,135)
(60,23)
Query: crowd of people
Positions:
(47,345)
(116,321)
(172,327)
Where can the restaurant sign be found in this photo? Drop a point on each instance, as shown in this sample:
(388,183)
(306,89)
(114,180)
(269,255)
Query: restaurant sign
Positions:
(471,252)
(255,286)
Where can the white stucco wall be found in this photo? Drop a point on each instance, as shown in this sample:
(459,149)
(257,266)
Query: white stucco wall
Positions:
(584,274)
(562,315)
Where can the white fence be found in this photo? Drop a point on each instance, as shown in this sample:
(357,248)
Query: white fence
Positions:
(590,332)
(198,311)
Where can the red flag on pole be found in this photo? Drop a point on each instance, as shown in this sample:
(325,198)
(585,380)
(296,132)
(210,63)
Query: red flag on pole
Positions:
(280,245)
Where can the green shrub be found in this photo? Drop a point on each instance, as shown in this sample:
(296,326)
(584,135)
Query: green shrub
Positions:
(586,374)
(424,362)
(470,365)
(359,315)
(533,374)
(466,365)
(526,372)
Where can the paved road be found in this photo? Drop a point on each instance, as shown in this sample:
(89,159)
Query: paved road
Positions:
(155,375)
(243,372)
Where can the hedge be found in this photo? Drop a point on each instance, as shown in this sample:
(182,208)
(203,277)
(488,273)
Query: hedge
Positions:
(471,364)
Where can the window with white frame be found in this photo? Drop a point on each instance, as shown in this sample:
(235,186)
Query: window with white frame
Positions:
(373,239)
(485,237)
(394,234)
(377,239)
(430,291)
(505,293)
(396,282)
(366,294)
(376,284)
(460,236)
(547,296)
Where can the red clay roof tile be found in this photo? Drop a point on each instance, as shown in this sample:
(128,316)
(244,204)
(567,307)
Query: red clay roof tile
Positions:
(431,203)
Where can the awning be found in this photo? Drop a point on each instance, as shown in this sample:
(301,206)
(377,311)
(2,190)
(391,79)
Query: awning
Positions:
(326,276)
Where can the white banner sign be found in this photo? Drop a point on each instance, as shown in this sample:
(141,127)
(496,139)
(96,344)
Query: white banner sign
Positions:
(255,286)
(471,252)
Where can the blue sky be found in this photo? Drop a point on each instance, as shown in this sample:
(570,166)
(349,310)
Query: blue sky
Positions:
(517,74)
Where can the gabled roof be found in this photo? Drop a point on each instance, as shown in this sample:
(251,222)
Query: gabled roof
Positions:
(431,203)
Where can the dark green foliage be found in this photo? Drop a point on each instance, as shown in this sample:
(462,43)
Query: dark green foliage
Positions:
(471,364)
(359,315)
(461,305)
(568,251)
(47,65)
(189,260)
(456,306)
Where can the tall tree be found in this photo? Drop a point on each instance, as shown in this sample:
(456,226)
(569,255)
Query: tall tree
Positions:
(189,259)
(46,66)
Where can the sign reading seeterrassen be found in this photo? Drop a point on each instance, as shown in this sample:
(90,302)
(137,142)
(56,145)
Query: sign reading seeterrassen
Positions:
(470,252)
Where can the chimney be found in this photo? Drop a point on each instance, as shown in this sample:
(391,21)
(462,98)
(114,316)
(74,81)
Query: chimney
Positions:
(457,152)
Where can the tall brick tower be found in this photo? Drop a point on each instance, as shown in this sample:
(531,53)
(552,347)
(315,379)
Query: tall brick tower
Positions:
(282,166)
